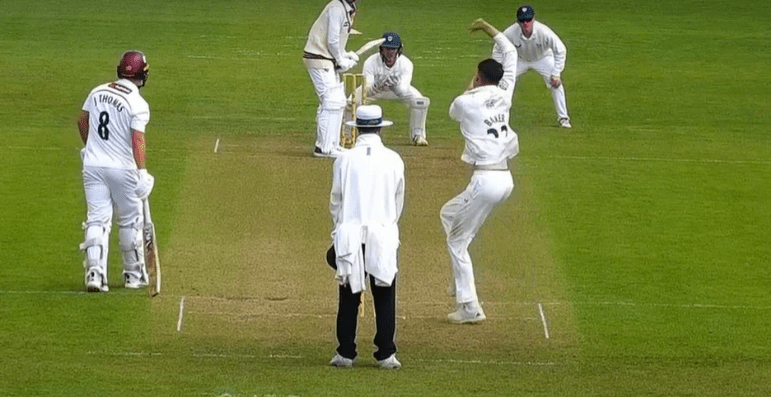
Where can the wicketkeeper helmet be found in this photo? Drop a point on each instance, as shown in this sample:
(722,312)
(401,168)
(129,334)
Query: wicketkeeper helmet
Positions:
(525,13)
(392,40)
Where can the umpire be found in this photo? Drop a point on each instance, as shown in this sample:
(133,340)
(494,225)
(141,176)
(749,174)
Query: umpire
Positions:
(366,202)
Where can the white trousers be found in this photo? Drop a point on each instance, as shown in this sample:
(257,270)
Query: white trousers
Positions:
(329,114)
(463,216)
(109,189)
(544,67)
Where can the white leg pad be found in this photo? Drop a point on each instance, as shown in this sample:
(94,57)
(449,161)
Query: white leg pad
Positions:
(330,119)
(131,244)
(418,115)
(96,246)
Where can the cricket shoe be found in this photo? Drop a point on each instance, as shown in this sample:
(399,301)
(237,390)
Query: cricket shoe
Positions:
(341,362)
(419,141)
(389,363)
(334,153)
(132,281)
(468,312)
(96,281)
(565,123)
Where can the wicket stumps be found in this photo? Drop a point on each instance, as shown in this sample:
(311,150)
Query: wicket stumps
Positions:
(351,83)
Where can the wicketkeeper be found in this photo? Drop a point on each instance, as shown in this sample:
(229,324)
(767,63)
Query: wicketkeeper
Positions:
(388,76)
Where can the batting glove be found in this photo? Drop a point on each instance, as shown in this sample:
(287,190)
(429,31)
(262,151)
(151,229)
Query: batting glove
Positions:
(352,55)
(345,64)
(144,184)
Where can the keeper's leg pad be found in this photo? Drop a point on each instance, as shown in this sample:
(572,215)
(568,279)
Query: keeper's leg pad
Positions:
(418,114)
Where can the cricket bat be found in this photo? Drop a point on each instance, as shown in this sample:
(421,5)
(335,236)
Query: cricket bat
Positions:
(151,252)
(370,45)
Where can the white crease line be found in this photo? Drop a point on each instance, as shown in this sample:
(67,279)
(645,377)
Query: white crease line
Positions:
(291,315)
(524,303)
(548,363)
(543,321)
(181,313)
(705,161)
(298,357)
(603,158)
(674,305)
(216,145)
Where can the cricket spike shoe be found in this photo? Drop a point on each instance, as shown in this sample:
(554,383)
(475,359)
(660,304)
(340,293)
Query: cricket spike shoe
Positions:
(96,281)
(468,312)
(341,362)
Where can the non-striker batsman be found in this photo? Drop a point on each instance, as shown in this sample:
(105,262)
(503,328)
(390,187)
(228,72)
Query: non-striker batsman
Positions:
(112,126)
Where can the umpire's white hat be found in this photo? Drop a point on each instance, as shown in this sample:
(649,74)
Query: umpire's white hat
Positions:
(369,116)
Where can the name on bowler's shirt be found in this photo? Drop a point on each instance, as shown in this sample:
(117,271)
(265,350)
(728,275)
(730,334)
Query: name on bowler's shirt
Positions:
(495,119)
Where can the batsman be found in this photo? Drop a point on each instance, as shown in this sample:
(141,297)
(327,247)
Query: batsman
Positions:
(325,59)
(112,127)
(388,76)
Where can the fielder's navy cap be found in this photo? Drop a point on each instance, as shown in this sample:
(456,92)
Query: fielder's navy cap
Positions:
(525,13)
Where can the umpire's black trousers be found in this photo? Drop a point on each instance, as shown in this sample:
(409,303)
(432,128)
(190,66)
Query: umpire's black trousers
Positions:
(384,299)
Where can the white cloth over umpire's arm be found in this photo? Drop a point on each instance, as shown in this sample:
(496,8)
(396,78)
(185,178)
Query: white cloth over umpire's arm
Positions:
(366,202)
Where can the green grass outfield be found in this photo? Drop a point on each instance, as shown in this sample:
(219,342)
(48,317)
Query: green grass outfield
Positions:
(631,260)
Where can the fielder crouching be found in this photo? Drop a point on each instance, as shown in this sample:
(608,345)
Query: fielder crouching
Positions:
(366,203)
(388,76)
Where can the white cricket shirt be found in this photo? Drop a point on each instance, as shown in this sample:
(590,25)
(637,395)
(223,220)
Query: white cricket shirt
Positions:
(114,109)
(366,202)
(376,71)
(541,43)
(483,114)
(329,34)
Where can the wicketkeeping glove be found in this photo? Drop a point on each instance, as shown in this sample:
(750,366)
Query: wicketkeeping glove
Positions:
(144,184)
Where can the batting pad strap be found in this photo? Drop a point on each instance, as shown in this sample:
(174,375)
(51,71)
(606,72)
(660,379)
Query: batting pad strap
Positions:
(94,242)
(136,267)
(420,103)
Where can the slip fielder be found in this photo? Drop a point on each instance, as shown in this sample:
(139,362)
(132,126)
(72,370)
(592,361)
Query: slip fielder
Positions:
(539,49)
